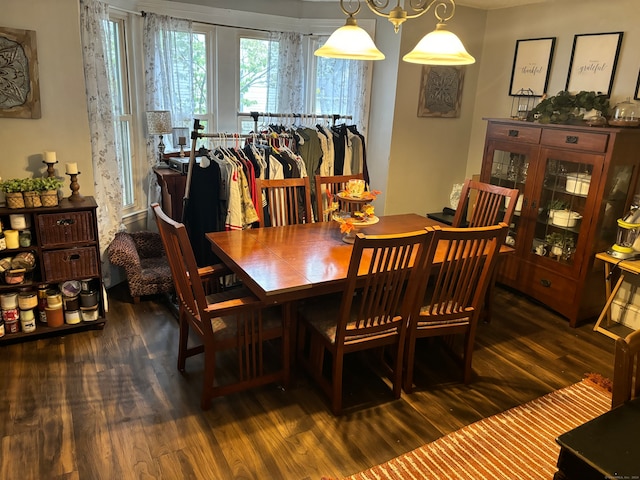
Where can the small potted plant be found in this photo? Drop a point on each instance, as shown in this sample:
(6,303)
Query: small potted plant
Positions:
(13,189)
(48,188)
(30,193)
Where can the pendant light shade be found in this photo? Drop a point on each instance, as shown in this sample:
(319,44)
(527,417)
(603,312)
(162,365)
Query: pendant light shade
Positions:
(440,47)
(350,42)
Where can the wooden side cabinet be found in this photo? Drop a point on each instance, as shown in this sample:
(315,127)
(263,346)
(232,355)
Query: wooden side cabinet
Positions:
(64,242)
(574,183)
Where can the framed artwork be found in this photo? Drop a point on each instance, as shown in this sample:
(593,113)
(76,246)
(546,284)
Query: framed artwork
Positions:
(637,95)
(440,91)
(532,66)
(593,62)
(19,83)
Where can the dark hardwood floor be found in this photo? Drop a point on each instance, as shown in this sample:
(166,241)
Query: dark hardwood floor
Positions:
(110,404)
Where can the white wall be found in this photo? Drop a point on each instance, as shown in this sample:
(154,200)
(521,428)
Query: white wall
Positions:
(558,19)
(64,126)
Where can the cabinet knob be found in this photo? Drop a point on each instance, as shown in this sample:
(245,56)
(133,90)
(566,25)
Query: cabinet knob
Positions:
(514,133)
(572,139)
(545,283)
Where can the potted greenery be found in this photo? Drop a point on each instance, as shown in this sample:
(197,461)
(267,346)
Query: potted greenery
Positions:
(48,188)
(13,189)
(559,244)
(30,193)
(554,205)
(567,108)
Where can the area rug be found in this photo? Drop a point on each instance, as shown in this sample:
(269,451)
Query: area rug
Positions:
(518,443)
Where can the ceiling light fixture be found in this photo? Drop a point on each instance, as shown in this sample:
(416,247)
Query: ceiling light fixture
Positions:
(440,47)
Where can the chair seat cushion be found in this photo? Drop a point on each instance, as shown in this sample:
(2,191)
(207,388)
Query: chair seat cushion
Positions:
(322,315)
(227,326)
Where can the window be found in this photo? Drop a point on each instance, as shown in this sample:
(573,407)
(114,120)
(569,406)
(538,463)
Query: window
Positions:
(118,79)
(258,78)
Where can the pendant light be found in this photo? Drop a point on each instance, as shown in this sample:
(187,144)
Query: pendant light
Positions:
(350,42)
(440,47)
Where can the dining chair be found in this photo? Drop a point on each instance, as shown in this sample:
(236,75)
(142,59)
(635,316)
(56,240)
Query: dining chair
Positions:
(333,184)
(230,320)
(370,313)
(486,203)
(626,369)
(285,201)
(454,293)
(489,204)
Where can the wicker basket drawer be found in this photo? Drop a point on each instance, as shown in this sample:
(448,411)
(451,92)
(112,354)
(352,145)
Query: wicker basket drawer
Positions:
(588,142)
(65,228)
(514,133)
(71,263)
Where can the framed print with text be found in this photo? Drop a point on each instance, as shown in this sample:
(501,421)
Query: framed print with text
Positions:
(532,65)
(637,96)
(593,62)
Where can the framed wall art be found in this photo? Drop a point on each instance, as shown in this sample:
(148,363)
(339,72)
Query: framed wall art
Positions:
(593,62)
(637,95)
(532,66)
(19,83)
(440,91)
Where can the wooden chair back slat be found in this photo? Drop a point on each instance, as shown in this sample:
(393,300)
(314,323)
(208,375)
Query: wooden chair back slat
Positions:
(332,184)
(288,201)
(486,203)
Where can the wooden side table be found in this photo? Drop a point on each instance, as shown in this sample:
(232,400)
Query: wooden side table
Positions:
(172,185)
(605,447)
(621,271)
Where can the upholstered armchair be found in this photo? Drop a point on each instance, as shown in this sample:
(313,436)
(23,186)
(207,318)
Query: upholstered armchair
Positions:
(143,258)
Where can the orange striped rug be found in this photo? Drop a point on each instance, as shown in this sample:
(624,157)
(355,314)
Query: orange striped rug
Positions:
(519,443)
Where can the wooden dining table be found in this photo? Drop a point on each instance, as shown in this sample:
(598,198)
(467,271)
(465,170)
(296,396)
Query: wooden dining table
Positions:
(283,264)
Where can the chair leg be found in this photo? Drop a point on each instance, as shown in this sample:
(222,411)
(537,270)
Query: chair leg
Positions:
(136,299)
(182,342)
(336,384)
(468,353)
(409,355)
(209,377)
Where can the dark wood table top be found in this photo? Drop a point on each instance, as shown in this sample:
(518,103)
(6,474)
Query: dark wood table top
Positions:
(606,446)
(297,261)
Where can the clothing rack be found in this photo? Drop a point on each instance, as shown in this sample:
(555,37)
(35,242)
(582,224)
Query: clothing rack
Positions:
(256,115)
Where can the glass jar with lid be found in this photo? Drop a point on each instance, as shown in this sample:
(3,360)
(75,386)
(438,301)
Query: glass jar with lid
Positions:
(625,114)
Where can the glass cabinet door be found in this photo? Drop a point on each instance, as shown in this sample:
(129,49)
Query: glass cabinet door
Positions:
(564,210)
(510,169)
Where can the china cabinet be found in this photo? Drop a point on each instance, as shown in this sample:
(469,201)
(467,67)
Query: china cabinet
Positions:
(575,181)
(63,244)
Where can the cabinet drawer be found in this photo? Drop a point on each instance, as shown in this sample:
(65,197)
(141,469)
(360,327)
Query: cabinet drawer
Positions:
(64,228)
(554,290)
(515,133)
(591,142)
(70,263)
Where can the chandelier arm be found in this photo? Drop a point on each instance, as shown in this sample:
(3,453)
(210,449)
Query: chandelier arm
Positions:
(423,6)
(350,13)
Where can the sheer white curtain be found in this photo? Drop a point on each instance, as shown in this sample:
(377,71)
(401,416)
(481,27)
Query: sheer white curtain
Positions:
(168,62)
(288,66)
(348,81)
(108,190)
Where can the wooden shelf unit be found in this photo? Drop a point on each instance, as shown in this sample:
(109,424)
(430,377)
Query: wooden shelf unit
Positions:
(64,240)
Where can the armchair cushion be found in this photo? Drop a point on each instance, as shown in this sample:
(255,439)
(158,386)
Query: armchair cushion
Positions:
(142,256)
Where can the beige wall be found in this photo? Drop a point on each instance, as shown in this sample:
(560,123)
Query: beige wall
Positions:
(558,19)
(429,154)
(63,127)
(413,160)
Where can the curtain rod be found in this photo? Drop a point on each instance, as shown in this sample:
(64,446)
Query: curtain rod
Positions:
(144,14)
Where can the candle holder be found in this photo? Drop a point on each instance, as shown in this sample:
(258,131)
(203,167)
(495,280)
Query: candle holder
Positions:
(50,171)
(75,187)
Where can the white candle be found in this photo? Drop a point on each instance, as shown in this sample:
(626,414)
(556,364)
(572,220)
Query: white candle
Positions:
(50,157)
(71,168)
